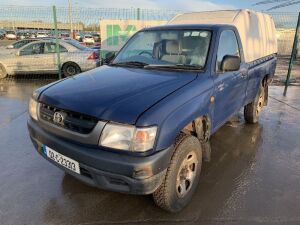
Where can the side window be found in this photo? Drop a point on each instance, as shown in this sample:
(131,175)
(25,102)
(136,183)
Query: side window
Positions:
(32,49)
(50,47)
(228,45)
(62,49)
(20,44)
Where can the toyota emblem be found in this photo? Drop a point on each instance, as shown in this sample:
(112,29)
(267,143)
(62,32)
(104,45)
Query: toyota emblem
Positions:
(58,118)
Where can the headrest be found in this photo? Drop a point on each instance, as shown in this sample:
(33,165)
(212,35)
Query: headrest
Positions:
(191,43)
(171,47)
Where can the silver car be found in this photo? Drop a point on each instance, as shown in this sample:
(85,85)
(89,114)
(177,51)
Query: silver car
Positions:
(40,57)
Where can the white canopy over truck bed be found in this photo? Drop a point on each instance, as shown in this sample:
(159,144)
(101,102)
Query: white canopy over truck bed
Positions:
(257,30)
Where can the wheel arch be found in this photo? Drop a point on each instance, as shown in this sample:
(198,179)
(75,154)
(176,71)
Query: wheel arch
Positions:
(199,127)
(184,120)
(5,68)
(266,80)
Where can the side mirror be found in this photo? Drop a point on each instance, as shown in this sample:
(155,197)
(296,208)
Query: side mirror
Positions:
(18,53)
(109,57)
(10,47)
(230,63)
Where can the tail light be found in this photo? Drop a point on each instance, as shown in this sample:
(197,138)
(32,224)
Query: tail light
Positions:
(93,56)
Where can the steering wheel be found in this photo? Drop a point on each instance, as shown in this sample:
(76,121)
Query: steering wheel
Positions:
(146,53)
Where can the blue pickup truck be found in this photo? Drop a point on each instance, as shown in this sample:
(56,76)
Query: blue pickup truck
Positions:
(142,123)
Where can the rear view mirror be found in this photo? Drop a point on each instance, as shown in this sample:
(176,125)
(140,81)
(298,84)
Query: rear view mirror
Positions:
(230,63)
(109,57)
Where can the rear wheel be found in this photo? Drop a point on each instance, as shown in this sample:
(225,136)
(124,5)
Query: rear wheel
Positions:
(253,110)
(3,72)
(182,175)
(70,69)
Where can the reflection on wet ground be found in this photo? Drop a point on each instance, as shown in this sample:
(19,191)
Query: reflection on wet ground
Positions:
(253,178)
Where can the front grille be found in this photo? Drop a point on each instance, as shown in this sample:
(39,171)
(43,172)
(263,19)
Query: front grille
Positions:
(72,121)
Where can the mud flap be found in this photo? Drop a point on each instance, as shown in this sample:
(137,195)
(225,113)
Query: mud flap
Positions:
(202,128)
(206,151)
(266,95)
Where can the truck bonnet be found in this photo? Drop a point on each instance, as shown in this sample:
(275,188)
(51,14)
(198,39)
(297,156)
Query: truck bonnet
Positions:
(114,93)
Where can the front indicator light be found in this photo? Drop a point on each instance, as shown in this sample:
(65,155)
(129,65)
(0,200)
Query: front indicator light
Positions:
(143,139)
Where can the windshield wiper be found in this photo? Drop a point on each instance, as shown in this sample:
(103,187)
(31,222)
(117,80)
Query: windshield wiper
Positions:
(175,66)
(130,63)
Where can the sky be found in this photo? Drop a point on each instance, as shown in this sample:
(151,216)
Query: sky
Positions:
(189,5)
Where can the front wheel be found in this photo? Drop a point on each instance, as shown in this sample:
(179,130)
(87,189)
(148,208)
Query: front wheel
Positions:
(182,175)
(253,110)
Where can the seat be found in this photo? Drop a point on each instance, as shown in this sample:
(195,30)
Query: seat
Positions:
(171,52)
(196,50)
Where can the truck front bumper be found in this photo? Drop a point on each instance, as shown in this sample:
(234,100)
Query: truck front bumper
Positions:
(107,170)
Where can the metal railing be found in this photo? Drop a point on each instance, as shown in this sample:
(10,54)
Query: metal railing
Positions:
(89,19)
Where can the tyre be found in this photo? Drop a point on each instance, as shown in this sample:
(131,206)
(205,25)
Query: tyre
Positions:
(3,72)
(70,69)
(253,110)
(182,175)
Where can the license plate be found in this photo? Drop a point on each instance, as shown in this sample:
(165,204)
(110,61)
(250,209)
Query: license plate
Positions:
(61,159)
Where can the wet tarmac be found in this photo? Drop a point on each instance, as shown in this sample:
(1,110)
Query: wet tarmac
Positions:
(253,178)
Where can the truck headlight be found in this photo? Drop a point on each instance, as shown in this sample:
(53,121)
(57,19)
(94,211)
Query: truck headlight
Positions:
(129,138)
(33,107)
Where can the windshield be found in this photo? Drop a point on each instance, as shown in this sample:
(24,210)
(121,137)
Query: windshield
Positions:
(167,47)
(20,44)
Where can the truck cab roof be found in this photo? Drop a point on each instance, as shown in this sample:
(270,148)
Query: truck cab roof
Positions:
(257,30)
(188,26)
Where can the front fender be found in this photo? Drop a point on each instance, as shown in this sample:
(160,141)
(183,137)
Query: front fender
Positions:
(173,113)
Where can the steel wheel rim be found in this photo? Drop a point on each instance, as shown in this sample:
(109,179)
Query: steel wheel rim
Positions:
(186,174)
(71,70)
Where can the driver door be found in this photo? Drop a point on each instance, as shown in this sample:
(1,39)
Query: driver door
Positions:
(28,59)
(229,87)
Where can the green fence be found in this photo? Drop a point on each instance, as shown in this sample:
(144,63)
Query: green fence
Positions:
(88,19)
(286,25)
(81,20)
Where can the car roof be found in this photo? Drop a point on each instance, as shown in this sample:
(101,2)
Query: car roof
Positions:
(28,39)
(61,41)
(44,41)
